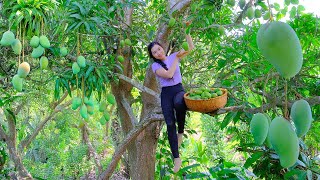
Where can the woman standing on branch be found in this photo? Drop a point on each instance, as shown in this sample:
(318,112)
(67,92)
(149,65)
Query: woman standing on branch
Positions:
(167,70)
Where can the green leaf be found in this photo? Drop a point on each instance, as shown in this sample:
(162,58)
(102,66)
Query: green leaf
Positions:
(293,12)
(89,71)
(77,16)
(296,174)
(309,174)
(86,24)
(57,89)
(276,6)
(82,10)
(227,119)
(254,157)
(300,9)
(66,85)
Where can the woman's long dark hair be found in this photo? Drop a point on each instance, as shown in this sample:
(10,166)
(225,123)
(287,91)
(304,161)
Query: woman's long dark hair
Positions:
(150,46)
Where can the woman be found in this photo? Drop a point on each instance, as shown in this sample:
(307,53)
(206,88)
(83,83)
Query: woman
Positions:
(173,106)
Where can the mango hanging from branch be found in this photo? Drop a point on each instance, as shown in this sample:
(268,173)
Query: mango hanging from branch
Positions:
(280,45)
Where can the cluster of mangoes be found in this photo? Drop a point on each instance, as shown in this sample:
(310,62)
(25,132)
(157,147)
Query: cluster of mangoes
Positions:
(204,93)
(250,12)
(279,133)
(39,44)
(81,63)
(123,43)
(8,39)
(87,107)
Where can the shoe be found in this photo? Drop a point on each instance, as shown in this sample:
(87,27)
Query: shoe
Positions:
(180,136)
(177,165)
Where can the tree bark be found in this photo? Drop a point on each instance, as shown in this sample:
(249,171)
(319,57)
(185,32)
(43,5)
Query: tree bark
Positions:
(11,143)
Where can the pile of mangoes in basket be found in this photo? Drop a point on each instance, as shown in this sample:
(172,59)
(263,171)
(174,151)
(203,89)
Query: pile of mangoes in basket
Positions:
(204,93)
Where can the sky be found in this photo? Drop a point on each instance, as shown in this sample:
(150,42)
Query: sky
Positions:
(312,6)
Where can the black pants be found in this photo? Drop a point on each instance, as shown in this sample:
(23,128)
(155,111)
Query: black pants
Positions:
(173,109)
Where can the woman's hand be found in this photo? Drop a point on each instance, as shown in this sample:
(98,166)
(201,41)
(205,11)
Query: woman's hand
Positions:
(182,53)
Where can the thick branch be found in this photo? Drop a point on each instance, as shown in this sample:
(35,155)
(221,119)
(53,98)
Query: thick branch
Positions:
(130,137)
(126,105)
(92,152)
(138,85)
(312,101)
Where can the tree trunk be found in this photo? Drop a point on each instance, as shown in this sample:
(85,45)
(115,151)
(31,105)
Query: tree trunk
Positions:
(11,143)
(141,152)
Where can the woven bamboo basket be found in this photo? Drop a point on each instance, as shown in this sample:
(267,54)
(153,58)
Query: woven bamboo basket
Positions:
(206,105)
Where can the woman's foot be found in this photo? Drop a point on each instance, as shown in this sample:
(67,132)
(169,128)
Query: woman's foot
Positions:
(180,136)
(177,164)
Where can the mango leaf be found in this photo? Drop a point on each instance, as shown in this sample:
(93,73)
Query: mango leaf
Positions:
(309,174)
(296,174)
(254,157)
(300,9)
(276,6)
(66,85)
(228,118)
(90,69)
(57,89)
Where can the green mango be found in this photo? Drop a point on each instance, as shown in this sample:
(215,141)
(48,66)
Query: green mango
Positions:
(280,45)
(63,51)
(127,42)
(284,141)
(102,106)
(16,46)
(88,101)
(35,41)
(185,46)
(90,109)
(250,13)
(37,52)
(122,43)
(257,13)
(301,115)
(103,121)
(7,38)
(266,16)
(120,58)
(23,70)
(44,62)
(287,2)
(242,3)
(81,61)
(84,112)
(231,2)
(44,41)
(17,83)
(106,115)
(259,127)
(76,102)
(172,21)
(75,68)
(111,99)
